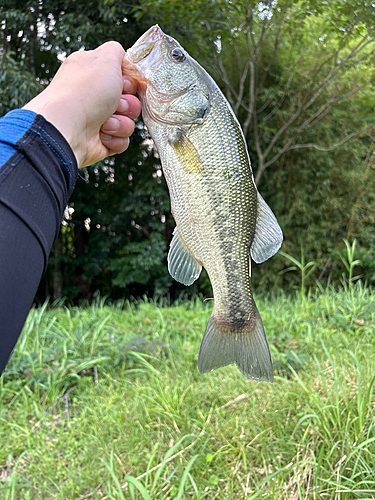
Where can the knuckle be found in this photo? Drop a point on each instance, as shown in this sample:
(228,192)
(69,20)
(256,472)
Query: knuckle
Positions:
(112,46)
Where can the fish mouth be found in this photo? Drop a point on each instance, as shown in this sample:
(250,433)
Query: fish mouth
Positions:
(144,45)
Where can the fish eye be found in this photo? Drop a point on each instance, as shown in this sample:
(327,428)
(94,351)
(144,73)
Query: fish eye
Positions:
(177,55)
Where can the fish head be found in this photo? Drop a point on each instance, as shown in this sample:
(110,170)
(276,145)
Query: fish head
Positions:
(176,89)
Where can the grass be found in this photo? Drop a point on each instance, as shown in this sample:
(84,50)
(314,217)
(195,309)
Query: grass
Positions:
(106,402)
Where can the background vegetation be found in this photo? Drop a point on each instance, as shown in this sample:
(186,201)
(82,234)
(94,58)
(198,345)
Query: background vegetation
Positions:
(299,75)
(103,399)
(105,402)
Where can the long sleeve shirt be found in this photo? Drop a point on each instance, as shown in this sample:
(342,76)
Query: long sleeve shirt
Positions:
(38,172)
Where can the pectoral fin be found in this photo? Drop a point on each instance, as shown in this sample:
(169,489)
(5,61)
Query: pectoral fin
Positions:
(182,266)
(268,234)
(186,153)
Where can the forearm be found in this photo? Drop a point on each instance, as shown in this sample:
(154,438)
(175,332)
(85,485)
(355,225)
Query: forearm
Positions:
(35,184)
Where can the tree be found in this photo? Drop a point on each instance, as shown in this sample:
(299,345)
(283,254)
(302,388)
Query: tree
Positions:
(284,65)
(298,75)
(118,216)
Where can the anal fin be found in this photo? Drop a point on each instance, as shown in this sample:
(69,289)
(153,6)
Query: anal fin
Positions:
(182,265)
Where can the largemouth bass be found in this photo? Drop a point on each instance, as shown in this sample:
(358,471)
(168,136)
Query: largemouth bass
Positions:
(222,222)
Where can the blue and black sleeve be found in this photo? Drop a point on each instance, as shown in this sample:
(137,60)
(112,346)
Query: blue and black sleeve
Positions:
(38,172)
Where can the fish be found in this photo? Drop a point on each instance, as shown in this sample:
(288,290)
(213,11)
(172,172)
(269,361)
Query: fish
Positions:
(222,222)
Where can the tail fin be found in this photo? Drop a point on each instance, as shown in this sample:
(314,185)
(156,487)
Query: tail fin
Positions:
(247,348)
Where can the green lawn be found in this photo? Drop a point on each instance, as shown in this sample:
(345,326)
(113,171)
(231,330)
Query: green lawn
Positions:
(106,402)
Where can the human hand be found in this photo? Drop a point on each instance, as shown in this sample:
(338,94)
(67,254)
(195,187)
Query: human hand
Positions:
(90,102)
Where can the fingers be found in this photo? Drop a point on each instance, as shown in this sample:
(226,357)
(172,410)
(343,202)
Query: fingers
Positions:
(110,49)
(115,131)
(117,145)
(129,85)
(129,106)
(117,126)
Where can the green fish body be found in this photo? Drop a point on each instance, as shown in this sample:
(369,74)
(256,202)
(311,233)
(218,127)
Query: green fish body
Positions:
(221,219)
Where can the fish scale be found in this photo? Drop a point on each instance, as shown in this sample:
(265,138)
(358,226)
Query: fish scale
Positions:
(221,219)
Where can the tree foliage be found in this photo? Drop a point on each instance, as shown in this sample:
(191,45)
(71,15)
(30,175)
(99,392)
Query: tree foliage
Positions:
(284,65)
(299,76)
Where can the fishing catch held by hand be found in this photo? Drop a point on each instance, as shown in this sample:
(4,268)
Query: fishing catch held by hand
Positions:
(222,222)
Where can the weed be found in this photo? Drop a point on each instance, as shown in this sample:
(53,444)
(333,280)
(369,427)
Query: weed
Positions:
(305,269)
(105,401)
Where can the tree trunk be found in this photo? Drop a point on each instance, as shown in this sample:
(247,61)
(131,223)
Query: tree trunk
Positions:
(57,274)
(81,238)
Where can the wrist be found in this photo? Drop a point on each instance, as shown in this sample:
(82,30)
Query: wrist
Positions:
(59,114)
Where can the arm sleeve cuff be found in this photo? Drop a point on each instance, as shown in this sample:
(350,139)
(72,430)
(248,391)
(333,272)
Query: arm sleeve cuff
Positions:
(12,127)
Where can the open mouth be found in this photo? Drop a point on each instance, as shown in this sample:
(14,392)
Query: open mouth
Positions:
(141,51)
(152,34)
(145,44)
